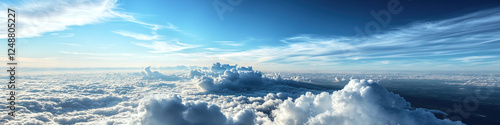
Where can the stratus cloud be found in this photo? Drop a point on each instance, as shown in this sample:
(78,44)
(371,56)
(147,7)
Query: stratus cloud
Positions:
(173,111)
(475,33)
(164,47)
(360,102)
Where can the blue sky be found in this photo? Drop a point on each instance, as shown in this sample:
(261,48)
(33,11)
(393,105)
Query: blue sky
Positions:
(272,35)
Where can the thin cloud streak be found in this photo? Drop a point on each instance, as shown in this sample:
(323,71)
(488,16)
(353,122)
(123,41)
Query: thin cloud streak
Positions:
(164,47)
(471,34)
(230,43)
(41,17)
(473,58)
(138,36)
(70,44)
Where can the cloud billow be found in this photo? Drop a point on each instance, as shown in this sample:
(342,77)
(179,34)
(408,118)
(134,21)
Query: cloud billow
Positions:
(360,102)
(157,75)
(173,111)
(222,77)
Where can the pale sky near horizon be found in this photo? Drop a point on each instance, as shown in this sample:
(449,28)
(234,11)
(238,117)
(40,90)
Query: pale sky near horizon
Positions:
(276,34)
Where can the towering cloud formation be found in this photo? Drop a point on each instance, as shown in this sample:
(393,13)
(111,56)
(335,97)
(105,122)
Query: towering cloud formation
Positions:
(226,77)
(361,102)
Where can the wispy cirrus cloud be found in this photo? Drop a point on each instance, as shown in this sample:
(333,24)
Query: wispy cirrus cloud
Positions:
(78,53)
(164,47)
(40,17)
(474,34)
(70,44)
(67,35)
(139,36)
(230,43)
(63,35)
(47,16)
(473,58)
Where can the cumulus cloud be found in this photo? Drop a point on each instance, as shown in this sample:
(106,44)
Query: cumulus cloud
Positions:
(225,77)
(217,67)
(360,102)
(222,77)
(195,73)
(157,75)
(172,111)
(244,117)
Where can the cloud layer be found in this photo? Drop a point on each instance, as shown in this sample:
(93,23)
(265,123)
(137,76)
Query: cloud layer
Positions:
(237,96)
(359,102)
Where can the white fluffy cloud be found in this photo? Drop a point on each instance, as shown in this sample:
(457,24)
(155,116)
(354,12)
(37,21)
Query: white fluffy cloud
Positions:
(172,111)
(361,102)
(157,75)
(225,77)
